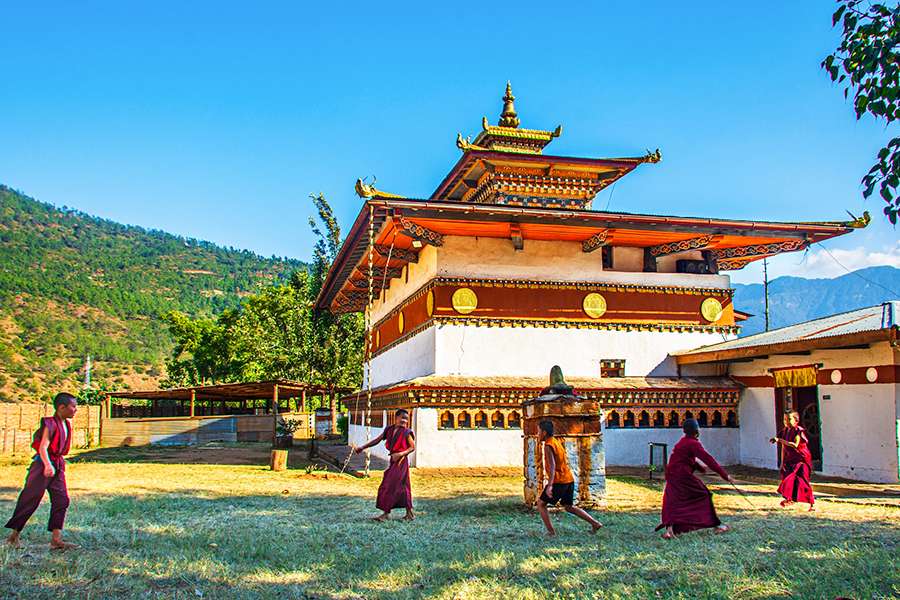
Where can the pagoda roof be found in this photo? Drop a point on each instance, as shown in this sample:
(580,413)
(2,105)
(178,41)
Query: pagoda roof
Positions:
(405,225)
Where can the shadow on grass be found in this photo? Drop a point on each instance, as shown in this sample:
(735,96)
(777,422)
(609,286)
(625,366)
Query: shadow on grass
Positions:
(186,544)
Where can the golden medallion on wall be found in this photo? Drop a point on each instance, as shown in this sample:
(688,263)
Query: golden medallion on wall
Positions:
(400,323)
(594,305)
(464,301)
(429,303)
(378,339)
(711,309)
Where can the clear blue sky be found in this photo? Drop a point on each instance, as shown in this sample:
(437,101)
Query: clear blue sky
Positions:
(217,120)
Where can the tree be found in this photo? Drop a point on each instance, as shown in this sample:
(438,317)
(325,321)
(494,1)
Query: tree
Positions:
(868,64)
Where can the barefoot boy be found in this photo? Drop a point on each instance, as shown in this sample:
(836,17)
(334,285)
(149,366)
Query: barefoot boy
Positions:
(47,473)
(395,490)
(561,484)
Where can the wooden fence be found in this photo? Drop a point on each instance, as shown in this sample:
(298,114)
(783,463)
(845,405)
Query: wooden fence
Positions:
(18,423)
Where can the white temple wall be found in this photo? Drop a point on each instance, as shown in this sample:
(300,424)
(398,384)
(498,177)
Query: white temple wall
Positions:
(412,358)
(485,351)
(398,290)
(630,447)
(356,436)
(878,354)
(756,418)
(464,447)
(859,431)
(494,258)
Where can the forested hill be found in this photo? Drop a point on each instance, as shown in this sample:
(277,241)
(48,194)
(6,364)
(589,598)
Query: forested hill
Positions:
(72,285)
(794,299)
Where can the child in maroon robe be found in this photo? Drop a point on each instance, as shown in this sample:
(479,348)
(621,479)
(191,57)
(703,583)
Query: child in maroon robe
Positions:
(796,463)
(47,472)
(687,503)
(395,490)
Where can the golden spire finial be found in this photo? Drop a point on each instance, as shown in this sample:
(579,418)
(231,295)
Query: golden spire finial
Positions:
(509,118)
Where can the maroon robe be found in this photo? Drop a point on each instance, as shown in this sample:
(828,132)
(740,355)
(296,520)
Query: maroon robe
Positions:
(60,437)
(796,467)
(687,503)
(395,490)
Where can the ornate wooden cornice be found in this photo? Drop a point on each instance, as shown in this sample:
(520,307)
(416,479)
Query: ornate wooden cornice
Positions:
(697,243)
(598,240)
(399,254)
(741,256)
(418,232)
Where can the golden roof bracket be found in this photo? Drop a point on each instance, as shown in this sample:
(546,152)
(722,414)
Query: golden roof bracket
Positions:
(598,240)
(697,243)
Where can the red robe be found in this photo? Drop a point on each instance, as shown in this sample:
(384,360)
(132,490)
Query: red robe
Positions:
(59,434)
(395,490)
(796,467)
(687,502)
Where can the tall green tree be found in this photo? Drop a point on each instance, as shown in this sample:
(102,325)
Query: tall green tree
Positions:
(867,63)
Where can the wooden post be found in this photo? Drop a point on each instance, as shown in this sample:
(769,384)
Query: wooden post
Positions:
(278,462)
(275,417)
(333,405)
(302,400)
(193,400)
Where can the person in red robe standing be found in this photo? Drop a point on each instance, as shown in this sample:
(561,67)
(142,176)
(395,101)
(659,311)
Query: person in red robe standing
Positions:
(395,490)
(47,472)
(687,503)
(796,463)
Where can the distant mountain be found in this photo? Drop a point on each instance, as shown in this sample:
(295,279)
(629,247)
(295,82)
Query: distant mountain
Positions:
(794,299)
(72,285)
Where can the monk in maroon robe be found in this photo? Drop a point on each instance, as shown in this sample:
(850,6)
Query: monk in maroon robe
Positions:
(687,503)
(796,463)
(47,472)
(395,490)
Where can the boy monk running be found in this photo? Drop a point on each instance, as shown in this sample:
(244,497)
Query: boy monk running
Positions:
(560,482)
(47,473)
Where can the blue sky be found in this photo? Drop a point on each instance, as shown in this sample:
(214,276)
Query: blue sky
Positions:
(217,120)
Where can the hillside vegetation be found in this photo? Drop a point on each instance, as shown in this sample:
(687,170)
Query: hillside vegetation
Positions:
(794,299)
(72,284)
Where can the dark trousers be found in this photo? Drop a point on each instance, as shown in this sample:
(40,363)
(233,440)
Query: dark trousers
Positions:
(33,492)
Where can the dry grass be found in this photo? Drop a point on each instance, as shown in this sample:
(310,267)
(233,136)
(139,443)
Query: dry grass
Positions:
(151,529)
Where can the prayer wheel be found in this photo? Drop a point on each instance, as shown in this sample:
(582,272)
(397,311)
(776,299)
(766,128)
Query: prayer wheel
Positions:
(576,423)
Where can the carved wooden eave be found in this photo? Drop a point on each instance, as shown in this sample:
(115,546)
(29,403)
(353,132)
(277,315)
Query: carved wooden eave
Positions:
(731,259)
(398,254)
(698,243)
(420,233)
(598,240)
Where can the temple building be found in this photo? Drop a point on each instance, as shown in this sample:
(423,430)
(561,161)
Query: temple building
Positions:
(505,270)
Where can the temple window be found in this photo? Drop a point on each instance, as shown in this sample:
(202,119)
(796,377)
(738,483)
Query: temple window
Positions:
(464,420)
(629,419)
(659,419)
(673,419)
(612,420)
(731,419)
(514,421)
(481,421)
(717,419)
(497,420)
(606,253)
(446,420)
(612,367)
(701,419)
(644,419)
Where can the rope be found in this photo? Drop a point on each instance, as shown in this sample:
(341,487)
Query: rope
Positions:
(368,321)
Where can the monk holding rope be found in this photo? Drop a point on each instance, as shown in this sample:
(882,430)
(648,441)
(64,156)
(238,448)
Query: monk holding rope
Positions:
(395,490)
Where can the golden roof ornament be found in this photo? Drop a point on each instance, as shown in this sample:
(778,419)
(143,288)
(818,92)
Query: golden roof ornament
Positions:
(366,190)
(509,118)
(652,157)
(859,222)
(465,144)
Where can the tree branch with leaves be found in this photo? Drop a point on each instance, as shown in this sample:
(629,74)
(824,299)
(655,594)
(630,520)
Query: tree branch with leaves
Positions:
(867,64)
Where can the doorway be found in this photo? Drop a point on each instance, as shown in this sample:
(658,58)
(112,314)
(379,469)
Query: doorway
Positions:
(804,400)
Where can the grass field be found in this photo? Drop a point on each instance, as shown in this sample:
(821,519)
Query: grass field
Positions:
(151,526)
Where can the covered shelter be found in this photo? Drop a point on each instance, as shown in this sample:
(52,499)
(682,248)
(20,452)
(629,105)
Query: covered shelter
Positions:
(244,411)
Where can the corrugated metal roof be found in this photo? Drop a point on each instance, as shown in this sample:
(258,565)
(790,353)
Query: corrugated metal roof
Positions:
(872,318)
